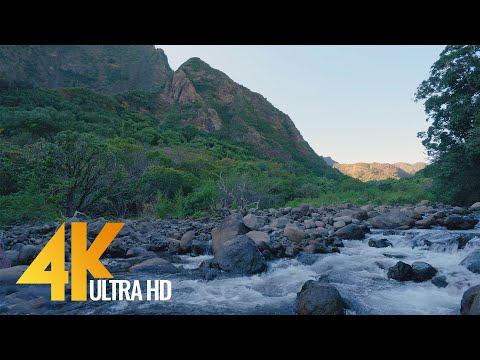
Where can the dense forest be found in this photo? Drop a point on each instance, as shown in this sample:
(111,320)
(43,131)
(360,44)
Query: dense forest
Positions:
(158,153)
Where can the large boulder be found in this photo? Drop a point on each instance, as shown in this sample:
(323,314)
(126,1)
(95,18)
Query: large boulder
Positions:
(472,262)
(27,254)
(116,249)
(392,220)
(317,298)
(186,241)
(401,272)
(155,266)
(240,255)
(458,222)
(8,279)
(470,304)
(253,222)
(200,247)
(350,232)
(423,271)
(379,243)
(4,259)
(293,233)
(475,206)
(227,230)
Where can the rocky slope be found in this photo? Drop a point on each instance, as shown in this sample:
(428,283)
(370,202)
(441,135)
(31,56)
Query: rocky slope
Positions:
(107,69)
(376,171)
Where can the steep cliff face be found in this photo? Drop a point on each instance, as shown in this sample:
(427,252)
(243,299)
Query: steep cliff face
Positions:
(210,100)
(108,69)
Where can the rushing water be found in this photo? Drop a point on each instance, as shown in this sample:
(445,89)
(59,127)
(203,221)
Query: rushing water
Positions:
(359,272)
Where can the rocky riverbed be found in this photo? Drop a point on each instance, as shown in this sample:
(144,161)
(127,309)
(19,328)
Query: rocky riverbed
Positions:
(419,259)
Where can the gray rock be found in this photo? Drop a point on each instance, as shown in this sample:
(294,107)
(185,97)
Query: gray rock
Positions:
(319,224)
(290,251)
(345,219)
(186,241)
(27,254)
(338,243)
(136,251)
(309,224)
(12,255)
(350,232)
(155,266)
(458,210)
(358,214)
(280,223)
(200,247)
(267,254)
(260,238)
(470,304)
(458,222)
(95,227)
(240,255)
(8,279)
(401,272)
(423,271)
(475,206)
(174,246)
(227,230)
(472,262)
(440,281)
(372,214)
(319,299)
(5,261)
(116,249)
(392,220)
(379,243)
(308,259)
(252,222)
(339,224)
(426,222)
(293,233)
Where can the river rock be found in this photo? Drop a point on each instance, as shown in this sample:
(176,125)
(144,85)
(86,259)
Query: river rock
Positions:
(12,255)
(155,266)
(426,222)
(116,249)
(440,281)
(5,261)
(472,262)
(27,254)
(186,241)
(317,298)
(316,248)
(260,238)
(458,210)
(345,219)
(290,251)
(401,272)
(350,232)
(379,243)
(200,247)
(475,206)
(423,271)
(358,214)
(339,224)
(392,220)
(309,224)
(9,277)
(240,255)
(293,233)
(227,230)
(458,222)
(280,223)
(136,251)
(252,222)
(470,304)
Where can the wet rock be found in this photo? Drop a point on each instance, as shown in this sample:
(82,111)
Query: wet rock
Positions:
(174,246)
(379,243)
(423,271)
(277,249)
(475,206)
(12,255)
(155,266)
(9,277)
(401,272)
(458,210)
(200,247)
(472,262)
(116,249)
(440,281)
(136,251)
(470,304)
(458,222)
(290,251)
(293,233)
(316,248)
(240,255)
(350,232)
(267,254)
(338,243)
(319,299)
(5,261)
(227,230)
(27,254)
(426,222)
(186,241)
(307,259)
(392,220)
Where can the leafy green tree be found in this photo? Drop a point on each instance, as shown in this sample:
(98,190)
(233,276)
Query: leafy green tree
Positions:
(452,103)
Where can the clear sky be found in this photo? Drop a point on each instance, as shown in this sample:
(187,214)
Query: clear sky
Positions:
(353,103)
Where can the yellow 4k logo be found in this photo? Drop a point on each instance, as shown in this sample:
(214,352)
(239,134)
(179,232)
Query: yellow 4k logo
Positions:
(82,260)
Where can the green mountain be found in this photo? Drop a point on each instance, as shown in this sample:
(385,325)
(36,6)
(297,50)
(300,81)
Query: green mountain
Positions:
(112,131)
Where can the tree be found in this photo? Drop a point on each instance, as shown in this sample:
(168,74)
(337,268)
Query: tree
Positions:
(452,103)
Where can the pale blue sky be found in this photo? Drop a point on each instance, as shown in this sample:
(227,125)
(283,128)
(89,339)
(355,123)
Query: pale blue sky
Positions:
(353,103)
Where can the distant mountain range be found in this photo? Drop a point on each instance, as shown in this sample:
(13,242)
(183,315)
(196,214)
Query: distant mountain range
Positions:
(376,171)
